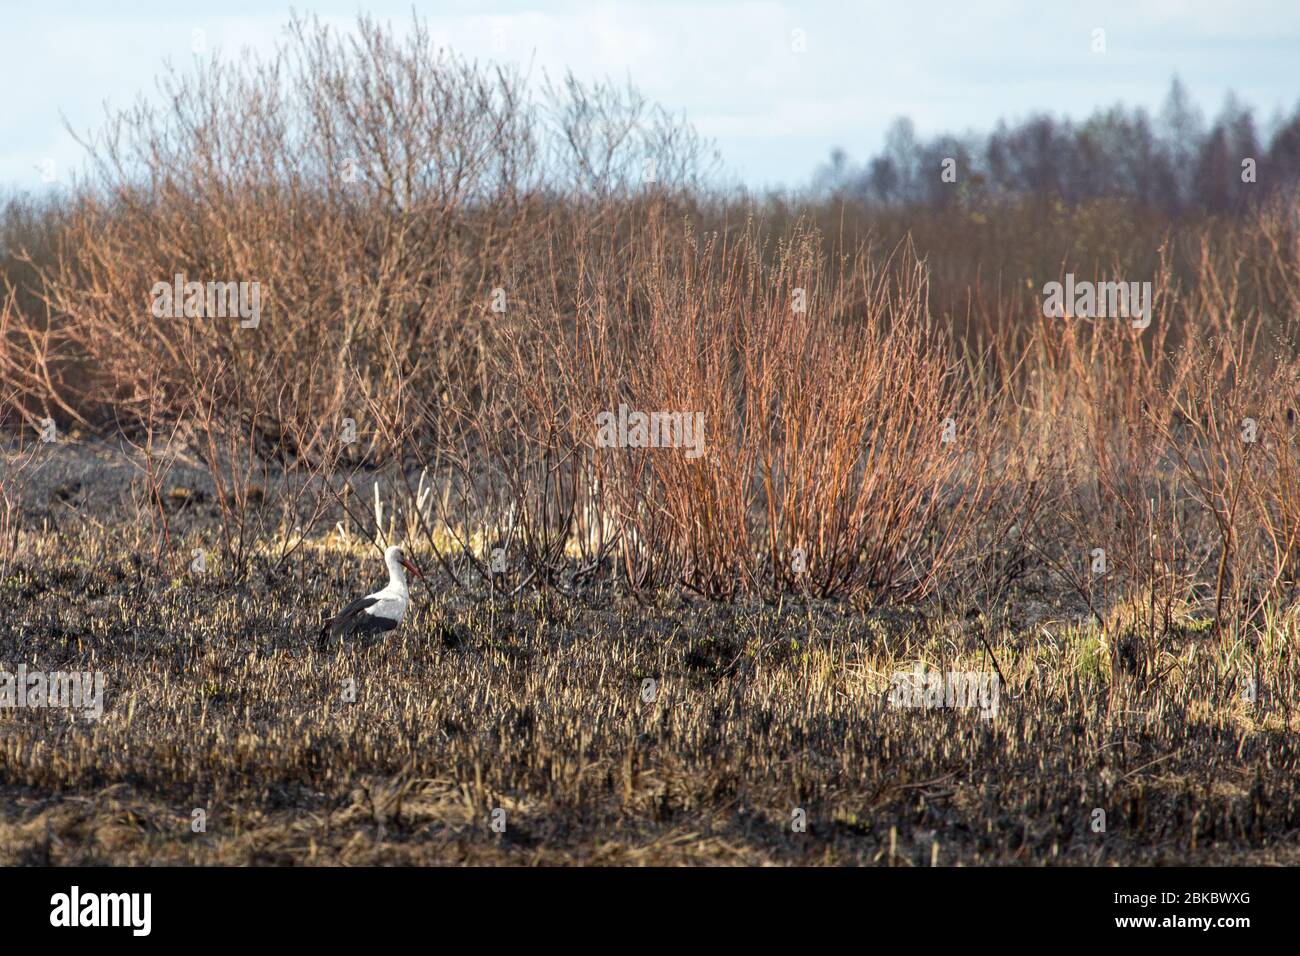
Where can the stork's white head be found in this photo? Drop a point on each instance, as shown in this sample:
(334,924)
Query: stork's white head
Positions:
(399,564)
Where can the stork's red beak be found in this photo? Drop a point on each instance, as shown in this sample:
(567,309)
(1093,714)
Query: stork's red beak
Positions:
(412,568)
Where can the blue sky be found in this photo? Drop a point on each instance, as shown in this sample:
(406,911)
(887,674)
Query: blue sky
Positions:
(731,65)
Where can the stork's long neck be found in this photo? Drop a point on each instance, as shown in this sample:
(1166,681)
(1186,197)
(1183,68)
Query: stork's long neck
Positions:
(396,576)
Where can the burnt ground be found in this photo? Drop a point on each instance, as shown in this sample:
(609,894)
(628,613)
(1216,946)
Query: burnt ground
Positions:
(595,728)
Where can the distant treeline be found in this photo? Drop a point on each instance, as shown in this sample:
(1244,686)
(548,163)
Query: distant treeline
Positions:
(1173,161)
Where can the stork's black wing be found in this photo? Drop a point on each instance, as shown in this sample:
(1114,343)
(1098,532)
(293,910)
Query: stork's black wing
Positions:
(348,620)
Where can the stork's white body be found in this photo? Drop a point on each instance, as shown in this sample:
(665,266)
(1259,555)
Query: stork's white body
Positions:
(392,599)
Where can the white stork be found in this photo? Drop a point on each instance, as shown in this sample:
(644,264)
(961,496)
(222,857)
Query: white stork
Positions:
(378,612)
